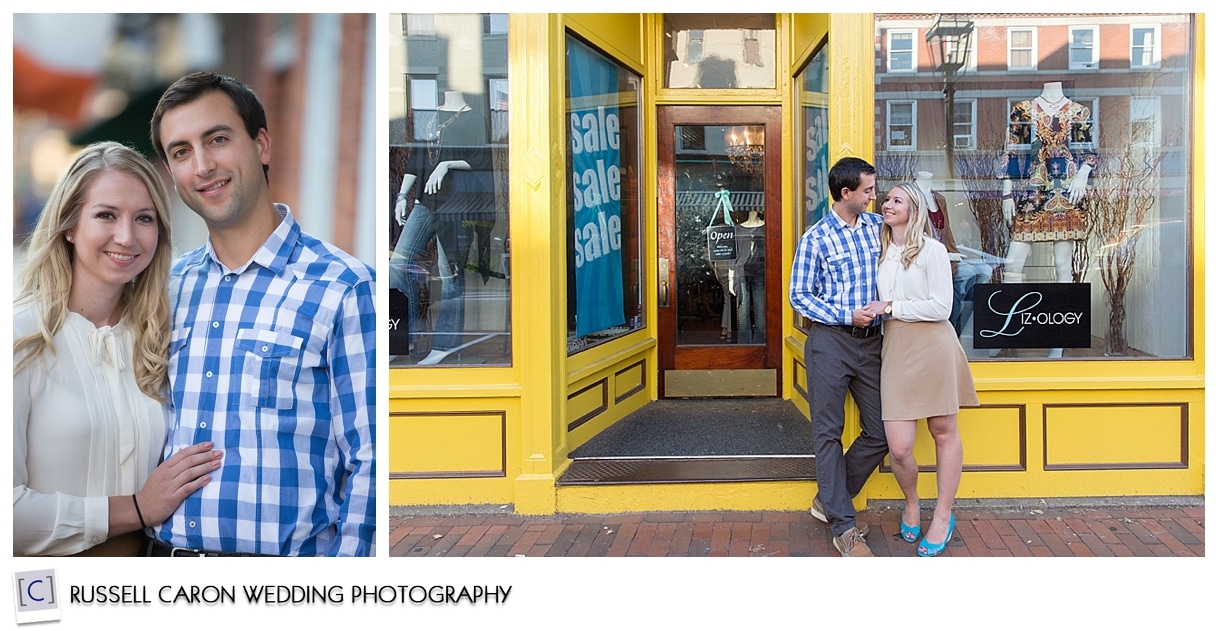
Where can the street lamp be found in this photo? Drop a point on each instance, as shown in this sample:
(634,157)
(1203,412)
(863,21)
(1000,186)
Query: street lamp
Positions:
(950,38)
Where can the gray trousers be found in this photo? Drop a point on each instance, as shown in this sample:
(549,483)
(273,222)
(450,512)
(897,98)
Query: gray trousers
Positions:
(839,362)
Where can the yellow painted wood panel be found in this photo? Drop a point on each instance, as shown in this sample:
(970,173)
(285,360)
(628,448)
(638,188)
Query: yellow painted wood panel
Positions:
(807,31)
(588,401)
(447,442)
(622,383)
(993,439)
(1114,435)
(450,491)
(620,34)
(629,380)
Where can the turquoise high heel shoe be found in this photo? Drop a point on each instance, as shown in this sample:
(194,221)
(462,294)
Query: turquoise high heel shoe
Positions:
(927,549)
(910,533)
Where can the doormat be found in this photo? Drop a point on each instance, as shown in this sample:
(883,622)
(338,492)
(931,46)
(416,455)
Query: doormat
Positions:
(705,427)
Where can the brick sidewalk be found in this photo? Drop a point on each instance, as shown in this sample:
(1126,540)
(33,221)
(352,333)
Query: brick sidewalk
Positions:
(982,532)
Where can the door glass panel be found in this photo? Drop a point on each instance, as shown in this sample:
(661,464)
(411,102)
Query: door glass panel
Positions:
(720,234)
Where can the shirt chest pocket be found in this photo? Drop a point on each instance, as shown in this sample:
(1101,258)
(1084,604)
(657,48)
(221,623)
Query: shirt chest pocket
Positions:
(271,365)
(852,254)
(838,265)
(177,341)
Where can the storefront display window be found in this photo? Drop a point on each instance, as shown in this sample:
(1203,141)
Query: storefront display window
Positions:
(450,269)
(1063,191)
(812,148)
(719,50)
(604,289)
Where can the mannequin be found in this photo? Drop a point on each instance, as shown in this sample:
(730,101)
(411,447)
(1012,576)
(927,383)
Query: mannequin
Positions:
(1053,180)
(399,278)
(965,272)
(746,279)
(1049,202)
(722,268)
(456,145)
(753,221)
(940,225)
(454,101)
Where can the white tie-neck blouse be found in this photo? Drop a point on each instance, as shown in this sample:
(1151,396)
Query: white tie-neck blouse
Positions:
(82,431)
(924,291)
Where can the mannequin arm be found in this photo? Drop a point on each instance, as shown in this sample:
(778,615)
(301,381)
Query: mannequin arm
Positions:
(1078,186)
(399,209)
(441,170)
(1008,203)
(407,182)
(731,282)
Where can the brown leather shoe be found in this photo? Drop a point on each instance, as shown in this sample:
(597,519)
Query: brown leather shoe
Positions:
(818,511)
(852,544)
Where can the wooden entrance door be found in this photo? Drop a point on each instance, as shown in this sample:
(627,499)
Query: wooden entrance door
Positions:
(720,250)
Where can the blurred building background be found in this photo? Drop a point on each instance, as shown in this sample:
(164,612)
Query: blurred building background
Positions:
(83,78)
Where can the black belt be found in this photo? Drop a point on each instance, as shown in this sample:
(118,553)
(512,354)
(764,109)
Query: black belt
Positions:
(862,332)
(158,548)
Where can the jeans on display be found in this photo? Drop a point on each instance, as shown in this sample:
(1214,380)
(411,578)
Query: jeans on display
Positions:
(751,309)
(968,273)
(721,275)
(453,240)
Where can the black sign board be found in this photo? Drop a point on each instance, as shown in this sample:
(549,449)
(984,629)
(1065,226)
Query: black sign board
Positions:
(399,323)
(1032,315)
(721,242)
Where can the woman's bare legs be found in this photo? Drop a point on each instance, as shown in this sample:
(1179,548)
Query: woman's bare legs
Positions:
(949,461)
(900,435)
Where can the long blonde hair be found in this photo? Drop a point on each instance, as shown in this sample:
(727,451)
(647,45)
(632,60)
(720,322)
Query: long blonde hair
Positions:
(915,232)
(46,280)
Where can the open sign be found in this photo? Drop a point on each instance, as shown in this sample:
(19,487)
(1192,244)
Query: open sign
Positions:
(721,242)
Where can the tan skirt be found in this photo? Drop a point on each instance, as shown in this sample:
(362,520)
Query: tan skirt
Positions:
(923,371)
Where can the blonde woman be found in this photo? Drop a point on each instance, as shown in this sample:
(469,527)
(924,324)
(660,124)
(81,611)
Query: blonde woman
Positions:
(923,371)
(90,355)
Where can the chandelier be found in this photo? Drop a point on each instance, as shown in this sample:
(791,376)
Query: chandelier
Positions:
(743,148)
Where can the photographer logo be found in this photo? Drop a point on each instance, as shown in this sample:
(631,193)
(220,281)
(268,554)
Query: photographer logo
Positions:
(36,597)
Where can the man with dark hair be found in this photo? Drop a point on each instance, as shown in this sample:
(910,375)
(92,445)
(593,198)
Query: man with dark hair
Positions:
(833,279)
(272,355)
(190,87)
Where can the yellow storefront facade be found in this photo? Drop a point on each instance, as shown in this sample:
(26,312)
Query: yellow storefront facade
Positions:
(493,417)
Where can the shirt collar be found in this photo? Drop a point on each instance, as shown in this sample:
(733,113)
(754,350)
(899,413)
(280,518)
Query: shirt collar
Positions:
(275,253)
(860,221)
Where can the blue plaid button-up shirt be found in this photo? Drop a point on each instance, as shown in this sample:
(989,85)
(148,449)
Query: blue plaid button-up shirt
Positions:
(834,271)
(276,363)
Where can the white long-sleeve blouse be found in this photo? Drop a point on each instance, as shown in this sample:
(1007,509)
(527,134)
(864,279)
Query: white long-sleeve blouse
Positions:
(921,293)
(82,431)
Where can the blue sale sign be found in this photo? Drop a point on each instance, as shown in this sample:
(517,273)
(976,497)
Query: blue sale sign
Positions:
(1032,315)
(816,167)
(596,186)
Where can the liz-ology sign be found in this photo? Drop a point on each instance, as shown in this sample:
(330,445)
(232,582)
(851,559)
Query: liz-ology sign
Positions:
(1032,315)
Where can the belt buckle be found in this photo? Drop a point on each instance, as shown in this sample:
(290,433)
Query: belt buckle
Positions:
(858,331)
(192,552)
